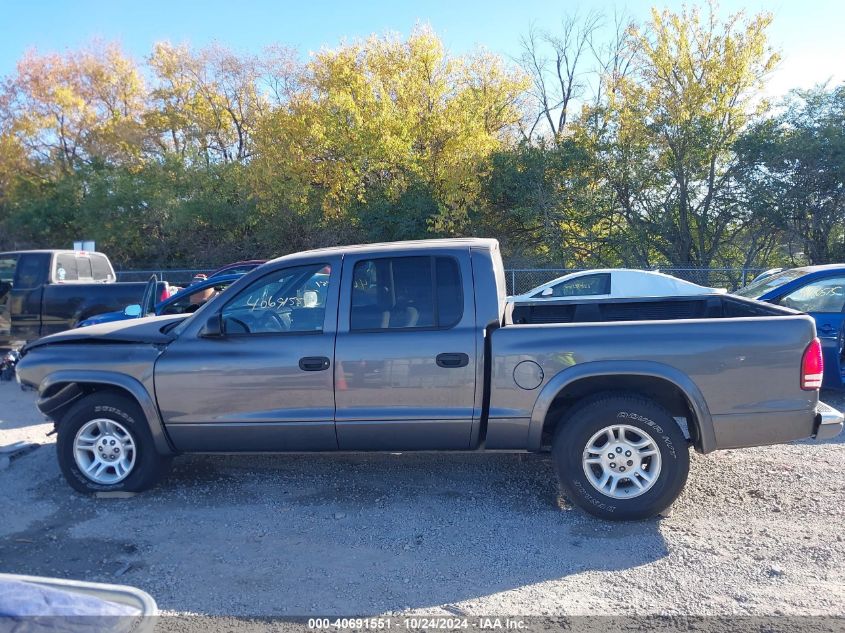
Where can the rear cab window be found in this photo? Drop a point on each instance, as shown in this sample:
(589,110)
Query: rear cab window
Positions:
(101,267)
(82,267)
(65,268)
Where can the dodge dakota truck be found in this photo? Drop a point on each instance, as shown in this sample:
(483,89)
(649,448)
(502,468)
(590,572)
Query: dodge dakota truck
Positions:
(412,346)
(47,291)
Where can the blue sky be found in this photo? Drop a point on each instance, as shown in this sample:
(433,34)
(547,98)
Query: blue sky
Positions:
(808,33)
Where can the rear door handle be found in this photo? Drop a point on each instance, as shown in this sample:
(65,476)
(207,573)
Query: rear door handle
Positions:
(827,329)
(314,363)
(452,360)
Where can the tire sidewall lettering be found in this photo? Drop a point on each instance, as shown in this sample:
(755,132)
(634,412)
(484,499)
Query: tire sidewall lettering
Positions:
(101,408)
(661,433)
(596,502)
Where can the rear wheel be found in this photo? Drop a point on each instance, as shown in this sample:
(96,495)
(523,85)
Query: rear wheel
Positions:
(620,457)
(105,444)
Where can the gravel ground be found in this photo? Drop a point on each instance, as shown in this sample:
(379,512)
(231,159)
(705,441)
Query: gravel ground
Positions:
(756,532)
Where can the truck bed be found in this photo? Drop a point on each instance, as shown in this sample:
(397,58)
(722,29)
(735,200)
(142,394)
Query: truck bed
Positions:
(716,306)
(737,356)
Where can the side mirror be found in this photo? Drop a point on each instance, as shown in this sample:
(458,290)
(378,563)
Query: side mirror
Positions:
(133,311)
(548,292)
(213,327)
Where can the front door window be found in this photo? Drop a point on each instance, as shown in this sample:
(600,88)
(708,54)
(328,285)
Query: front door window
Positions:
(289,300)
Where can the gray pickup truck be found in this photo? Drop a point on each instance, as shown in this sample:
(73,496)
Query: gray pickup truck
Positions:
(412,346)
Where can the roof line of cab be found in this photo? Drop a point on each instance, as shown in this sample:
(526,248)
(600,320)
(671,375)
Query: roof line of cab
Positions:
(443,243)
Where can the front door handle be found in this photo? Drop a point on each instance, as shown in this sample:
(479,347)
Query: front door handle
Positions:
(314,363)
(452,360)
(827,329)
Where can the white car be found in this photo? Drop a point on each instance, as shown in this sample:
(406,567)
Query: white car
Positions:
(612,283)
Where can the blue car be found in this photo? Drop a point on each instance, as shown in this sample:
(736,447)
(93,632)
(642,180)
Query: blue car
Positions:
(820,292)
(183,302)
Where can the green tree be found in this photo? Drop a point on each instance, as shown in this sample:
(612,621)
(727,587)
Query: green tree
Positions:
(205,104)
(399,125)
(73,109)
(663,138)
(793,170)
(542,203)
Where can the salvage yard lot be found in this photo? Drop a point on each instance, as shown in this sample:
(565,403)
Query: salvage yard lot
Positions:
(756,531)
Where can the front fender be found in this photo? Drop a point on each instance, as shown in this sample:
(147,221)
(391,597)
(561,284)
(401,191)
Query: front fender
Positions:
(652,369)
(122,381)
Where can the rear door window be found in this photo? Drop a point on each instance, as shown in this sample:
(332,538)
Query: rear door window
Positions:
(406,292)
(450,296)
(101,267)
(31,271)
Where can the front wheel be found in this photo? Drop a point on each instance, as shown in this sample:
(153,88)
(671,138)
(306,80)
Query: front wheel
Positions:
(620,457)
(105,444)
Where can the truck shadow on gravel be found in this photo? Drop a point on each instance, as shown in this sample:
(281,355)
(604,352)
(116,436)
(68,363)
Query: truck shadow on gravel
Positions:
(315,534)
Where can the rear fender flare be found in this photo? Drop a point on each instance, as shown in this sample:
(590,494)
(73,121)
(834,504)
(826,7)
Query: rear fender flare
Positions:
(568,376)
(125,383)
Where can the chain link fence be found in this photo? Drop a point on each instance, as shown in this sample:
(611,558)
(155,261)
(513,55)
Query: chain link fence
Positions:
(519,280)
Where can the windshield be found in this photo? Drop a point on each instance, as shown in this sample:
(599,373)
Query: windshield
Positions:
(192,298)
(766,284)
(219,289)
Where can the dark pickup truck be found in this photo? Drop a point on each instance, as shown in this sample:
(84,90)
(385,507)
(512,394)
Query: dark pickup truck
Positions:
(47,291)
(412,346)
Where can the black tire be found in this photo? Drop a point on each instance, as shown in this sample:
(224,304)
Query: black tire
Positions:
(148,464)
(592,415)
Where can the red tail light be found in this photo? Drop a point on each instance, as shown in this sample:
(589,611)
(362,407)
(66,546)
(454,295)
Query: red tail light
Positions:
(812,366)
(165,293)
